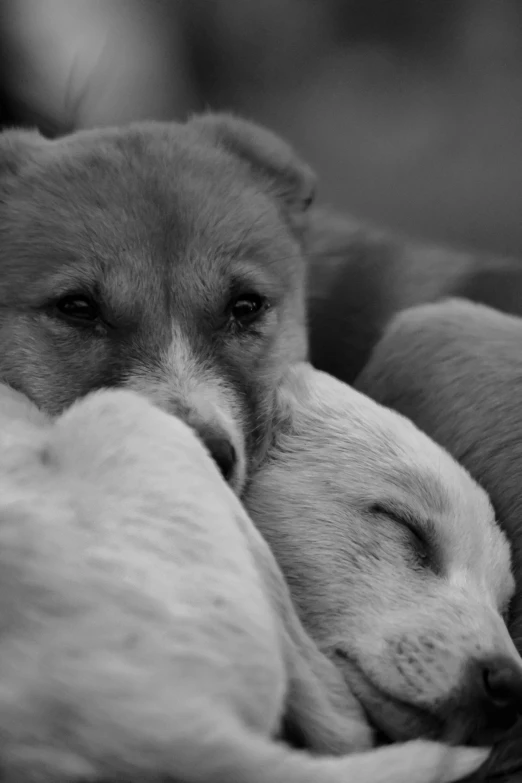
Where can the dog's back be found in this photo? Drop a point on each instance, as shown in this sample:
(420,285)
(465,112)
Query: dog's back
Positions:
(359,277)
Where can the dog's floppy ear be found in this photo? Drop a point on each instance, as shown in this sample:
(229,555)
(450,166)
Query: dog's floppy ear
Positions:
(269,158)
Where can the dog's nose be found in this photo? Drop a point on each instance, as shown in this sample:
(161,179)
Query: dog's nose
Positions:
(499,684)
(502,680)
(221,449)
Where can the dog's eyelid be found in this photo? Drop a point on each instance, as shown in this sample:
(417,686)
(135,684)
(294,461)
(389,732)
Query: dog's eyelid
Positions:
(420,528)
(240,288)
(396,511)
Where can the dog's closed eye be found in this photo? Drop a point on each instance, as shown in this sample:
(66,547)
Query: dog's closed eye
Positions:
(417,540)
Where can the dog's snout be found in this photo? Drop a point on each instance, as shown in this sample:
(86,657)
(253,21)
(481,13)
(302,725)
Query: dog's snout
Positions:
(221,449)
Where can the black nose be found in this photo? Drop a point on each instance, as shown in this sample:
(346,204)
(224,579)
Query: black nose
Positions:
(221,450)
(499,685)
(502,680)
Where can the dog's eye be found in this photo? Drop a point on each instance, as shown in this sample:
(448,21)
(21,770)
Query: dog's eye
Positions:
(77,308)
(417,541)
(247,307)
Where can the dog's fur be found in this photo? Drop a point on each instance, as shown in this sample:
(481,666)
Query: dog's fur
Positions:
(455,368)
(147,632)
(163,227)
(392,555)
(361,276)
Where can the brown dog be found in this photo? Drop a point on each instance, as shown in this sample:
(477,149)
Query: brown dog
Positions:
(165,258)
(455,368)
(360,277)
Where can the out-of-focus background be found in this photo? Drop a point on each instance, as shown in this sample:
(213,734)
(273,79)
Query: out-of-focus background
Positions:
(409,110)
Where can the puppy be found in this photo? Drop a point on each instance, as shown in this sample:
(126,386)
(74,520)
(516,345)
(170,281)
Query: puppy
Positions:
(455,368)
(361,276)
(163,258)
(394,560)
(147,632)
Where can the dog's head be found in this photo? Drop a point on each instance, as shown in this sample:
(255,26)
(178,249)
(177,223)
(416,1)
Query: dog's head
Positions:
(394,557)
(161,257)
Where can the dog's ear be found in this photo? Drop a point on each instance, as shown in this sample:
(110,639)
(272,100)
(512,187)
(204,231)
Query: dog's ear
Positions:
(268,157)
(17,147)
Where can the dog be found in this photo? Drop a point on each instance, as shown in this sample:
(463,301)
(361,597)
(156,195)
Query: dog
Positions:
(160,257)
(455,368)
(394,560)
(147,632)
(360,276)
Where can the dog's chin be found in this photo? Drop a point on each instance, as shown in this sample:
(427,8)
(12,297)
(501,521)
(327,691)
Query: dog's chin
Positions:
(394,720)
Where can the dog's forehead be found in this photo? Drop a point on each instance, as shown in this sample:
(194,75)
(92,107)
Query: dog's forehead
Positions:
(155,196)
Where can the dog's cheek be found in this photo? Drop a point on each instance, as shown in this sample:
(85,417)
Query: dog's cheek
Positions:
(52,372)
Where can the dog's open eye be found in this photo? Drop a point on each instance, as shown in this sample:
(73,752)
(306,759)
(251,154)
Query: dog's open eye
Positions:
(246,308)
(77,308)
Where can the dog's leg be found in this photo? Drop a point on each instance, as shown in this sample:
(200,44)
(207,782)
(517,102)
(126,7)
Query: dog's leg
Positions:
(227,752)
(211,747)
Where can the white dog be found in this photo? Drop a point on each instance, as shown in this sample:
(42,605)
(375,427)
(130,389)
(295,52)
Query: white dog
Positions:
(147,632)
(395,562)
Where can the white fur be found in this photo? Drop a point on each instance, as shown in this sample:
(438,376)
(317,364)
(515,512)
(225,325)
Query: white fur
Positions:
(146,630)
(405,631)
(183,384)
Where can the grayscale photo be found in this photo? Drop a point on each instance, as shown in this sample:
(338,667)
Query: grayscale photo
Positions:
(260,391)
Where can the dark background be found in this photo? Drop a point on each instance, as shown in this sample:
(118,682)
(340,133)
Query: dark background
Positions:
(409,110)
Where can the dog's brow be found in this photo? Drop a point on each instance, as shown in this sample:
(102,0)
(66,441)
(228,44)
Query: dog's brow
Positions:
(248,277)
(66,280)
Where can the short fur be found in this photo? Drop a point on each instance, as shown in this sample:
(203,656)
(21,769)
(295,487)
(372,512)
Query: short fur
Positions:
(455,368)
(147,633)
(360,277)
(392,555)
(163,225)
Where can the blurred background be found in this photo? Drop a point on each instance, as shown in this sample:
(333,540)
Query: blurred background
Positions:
(409,110)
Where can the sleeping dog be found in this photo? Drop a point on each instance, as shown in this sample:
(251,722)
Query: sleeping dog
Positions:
(148,634)
(395,561)
(163,258)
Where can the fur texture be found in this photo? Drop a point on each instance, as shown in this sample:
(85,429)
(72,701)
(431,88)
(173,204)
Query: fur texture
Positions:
(455,368)
(393,558)
(147,632)
(163,228)
(360,277)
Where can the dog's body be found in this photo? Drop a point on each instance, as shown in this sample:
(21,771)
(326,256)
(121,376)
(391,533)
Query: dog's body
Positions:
(164,258)
(361,276)
(455,368)
(394,559)
(147,631)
